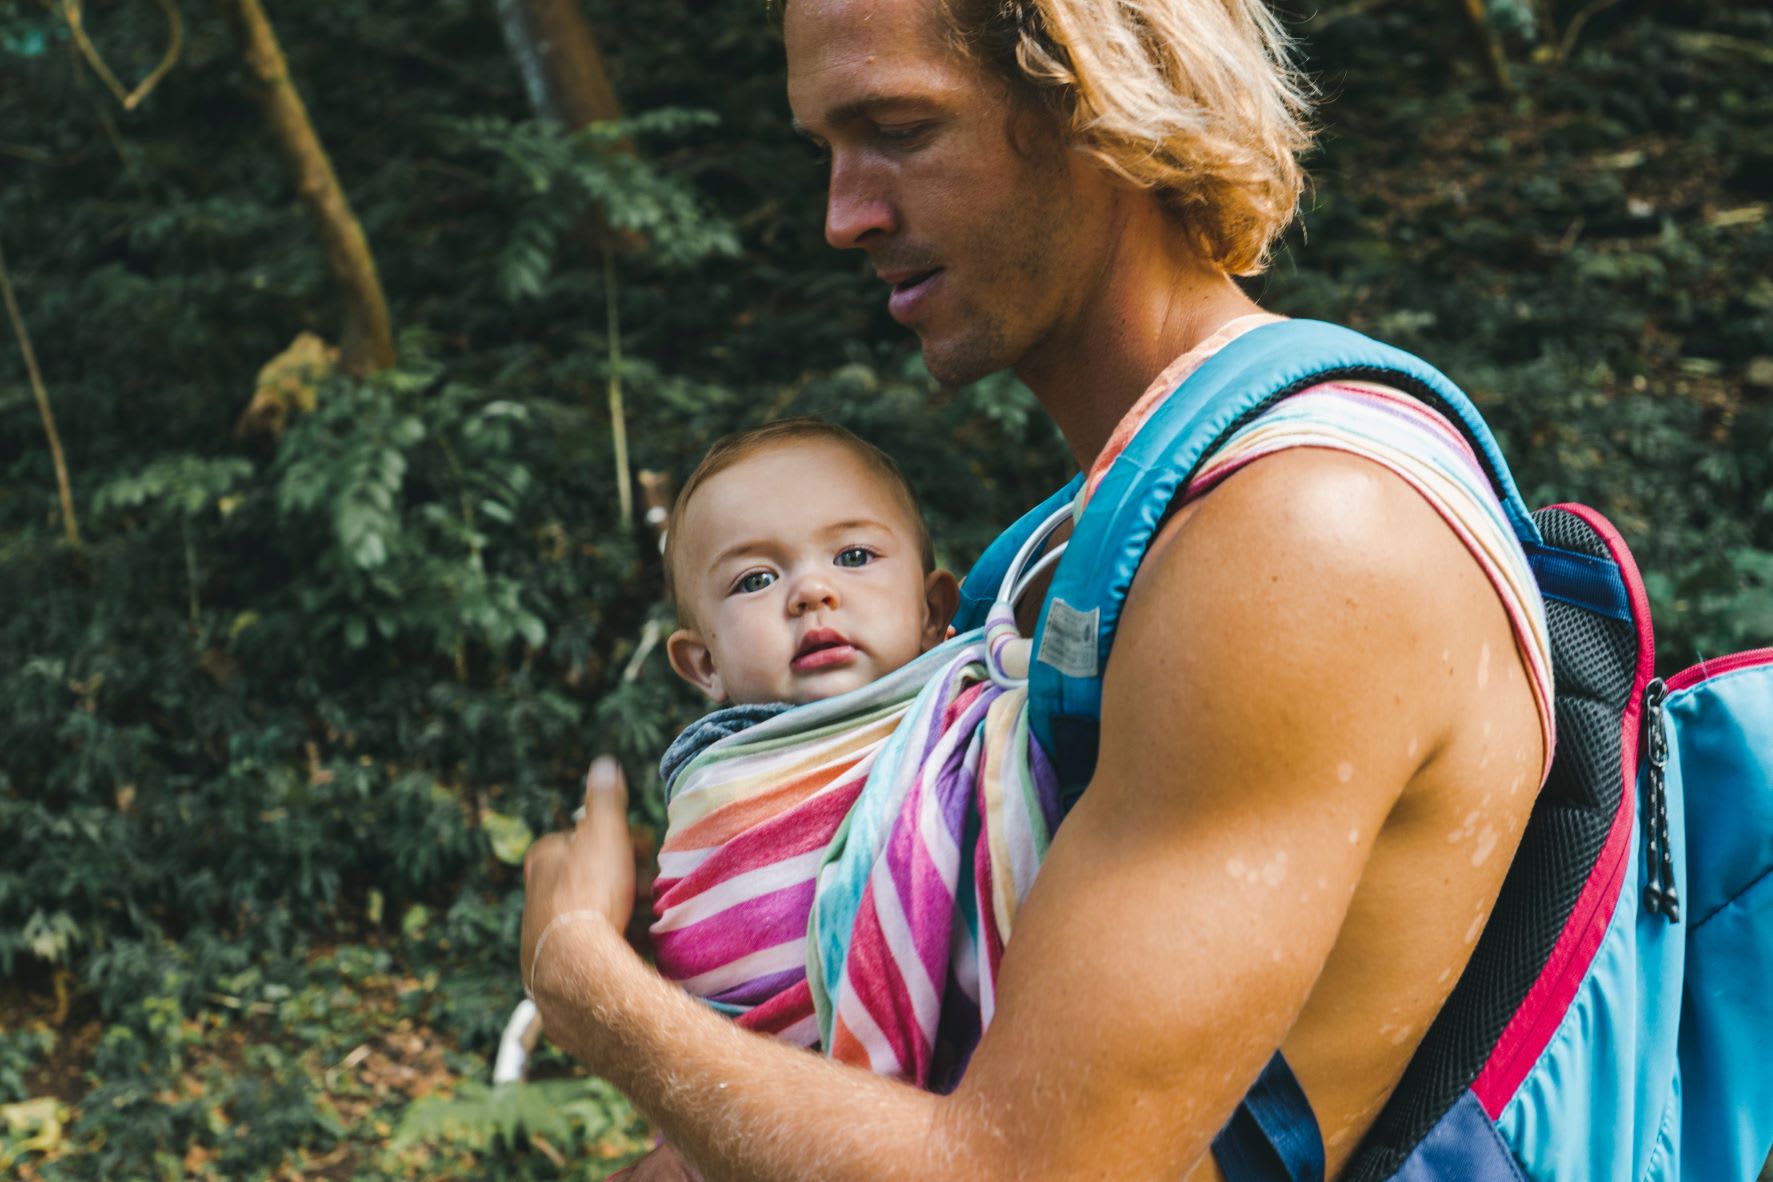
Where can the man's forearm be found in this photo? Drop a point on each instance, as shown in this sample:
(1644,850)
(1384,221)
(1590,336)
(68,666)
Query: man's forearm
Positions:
(740,1105)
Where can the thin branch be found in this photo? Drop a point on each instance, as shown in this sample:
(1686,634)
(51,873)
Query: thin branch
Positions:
(77,26)
(175,43)
(367,344)
(34,155)
(131,99)
(618,417)
(70,524)
(1577,23)
(1722,45)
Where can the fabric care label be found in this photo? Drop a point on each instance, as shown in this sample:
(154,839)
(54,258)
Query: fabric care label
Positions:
(1069,642)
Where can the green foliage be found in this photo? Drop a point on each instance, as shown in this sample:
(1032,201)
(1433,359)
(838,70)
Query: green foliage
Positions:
(554,179)
(499,1121)
(20,1051)
(277,737)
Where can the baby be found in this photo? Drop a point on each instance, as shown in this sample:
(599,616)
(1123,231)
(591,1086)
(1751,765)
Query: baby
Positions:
(848,841)
(800,566)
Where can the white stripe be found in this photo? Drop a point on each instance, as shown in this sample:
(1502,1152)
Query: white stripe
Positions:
(804,1033)
(926,1000)
(762,963)
(964,956)
(679,863)
(931,827)
(741,888)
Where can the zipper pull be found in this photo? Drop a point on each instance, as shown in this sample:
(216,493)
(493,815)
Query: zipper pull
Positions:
(1660,897)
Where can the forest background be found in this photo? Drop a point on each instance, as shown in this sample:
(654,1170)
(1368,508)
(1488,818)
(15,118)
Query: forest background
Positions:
(295,658)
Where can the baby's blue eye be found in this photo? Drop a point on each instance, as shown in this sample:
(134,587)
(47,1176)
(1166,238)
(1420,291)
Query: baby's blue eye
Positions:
(855,556)
(757,580)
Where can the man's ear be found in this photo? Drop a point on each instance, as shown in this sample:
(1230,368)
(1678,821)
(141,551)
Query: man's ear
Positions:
(692,661)
(941,595)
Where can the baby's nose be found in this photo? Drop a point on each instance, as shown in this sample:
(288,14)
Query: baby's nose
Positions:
(812,592)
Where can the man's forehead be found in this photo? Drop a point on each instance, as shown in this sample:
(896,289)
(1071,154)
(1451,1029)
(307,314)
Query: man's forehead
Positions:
(843,51)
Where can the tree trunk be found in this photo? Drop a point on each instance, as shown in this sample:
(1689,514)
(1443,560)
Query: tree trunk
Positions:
(367,339)
(558,57)
(1488,46)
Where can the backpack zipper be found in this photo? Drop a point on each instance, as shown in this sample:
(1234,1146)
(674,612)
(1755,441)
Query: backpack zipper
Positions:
(1660,897)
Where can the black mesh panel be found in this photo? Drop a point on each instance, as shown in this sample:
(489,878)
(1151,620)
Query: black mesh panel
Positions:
(1594,662)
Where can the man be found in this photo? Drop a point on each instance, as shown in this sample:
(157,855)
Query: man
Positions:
(1314,694)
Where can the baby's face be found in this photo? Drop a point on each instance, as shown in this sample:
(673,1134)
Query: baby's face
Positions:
(802,577)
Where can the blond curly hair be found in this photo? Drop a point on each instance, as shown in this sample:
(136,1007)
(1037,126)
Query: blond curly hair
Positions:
(1197,101)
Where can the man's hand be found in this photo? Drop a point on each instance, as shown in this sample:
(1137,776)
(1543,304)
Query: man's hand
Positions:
(587,870)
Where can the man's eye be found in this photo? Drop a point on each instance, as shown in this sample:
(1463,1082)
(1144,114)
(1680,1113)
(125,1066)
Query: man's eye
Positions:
(757,580)
(855,556)
(899,133)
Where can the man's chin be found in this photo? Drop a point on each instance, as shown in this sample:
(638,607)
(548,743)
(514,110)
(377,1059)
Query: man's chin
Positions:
(962,362)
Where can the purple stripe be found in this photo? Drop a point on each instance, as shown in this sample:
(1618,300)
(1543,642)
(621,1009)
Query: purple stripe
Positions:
(761,989)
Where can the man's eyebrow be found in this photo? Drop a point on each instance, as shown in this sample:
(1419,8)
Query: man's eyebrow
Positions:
(860,108)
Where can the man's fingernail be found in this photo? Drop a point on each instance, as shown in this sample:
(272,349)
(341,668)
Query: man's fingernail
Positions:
(606,773)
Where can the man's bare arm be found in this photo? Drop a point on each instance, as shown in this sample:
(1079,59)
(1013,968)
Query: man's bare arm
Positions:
(1269,669)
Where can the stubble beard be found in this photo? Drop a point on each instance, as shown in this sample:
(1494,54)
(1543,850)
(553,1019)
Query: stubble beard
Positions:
(1022,257)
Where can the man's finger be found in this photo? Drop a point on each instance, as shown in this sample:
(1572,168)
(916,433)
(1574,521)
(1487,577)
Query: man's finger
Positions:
(606,795)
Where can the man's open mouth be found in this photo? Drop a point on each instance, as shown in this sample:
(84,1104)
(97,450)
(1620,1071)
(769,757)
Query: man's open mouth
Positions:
(909,293)
(822,648)
(913,281)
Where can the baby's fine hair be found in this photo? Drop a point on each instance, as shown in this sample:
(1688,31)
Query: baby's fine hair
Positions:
(730,449)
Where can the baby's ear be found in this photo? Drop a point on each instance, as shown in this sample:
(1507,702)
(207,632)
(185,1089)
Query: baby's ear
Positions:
(941,595)
(692,661)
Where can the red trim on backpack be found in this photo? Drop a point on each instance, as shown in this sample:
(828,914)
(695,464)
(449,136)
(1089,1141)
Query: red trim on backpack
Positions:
(1525,1037)
(1692,675)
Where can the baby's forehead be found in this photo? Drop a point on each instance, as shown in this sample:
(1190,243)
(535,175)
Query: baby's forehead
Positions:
(794,487)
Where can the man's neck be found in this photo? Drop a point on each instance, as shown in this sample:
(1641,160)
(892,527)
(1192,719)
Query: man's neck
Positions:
(1153,301)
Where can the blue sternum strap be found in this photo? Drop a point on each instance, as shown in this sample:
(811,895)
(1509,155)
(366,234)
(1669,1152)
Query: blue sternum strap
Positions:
(1273,1135)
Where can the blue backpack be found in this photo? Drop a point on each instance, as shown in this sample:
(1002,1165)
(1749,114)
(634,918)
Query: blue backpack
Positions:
(1608,1025)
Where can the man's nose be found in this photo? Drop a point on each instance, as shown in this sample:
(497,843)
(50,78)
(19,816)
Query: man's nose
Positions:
(813,592)
(857,206)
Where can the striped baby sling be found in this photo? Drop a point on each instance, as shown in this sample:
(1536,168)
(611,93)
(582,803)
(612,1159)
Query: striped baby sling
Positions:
(1609,1023)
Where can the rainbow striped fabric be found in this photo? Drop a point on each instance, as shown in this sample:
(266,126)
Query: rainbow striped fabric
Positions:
(845,875)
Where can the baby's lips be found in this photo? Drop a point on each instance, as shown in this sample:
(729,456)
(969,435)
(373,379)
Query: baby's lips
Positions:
(827,657)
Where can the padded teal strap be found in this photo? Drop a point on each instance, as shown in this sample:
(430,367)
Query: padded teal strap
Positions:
(1082,611)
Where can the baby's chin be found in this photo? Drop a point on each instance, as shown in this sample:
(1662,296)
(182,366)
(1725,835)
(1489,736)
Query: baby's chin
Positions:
(819,686)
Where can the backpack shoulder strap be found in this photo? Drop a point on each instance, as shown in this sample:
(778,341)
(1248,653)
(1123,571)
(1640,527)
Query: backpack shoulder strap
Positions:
(1078,621)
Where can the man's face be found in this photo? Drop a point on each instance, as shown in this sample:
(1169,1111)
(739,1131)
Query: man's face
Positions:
(970,207)
(803,575)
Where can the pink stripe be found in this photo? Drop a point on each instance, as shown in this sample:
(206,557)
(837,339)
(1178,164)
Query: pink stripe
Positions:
(779,1012)
(1537,1019)
(799,831)
(873,979)
(725,936)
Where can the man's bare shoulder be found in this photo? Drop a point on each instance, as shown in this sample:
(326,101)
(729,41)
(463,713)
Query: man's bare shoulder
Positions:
(1303,573)
(1363,690)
